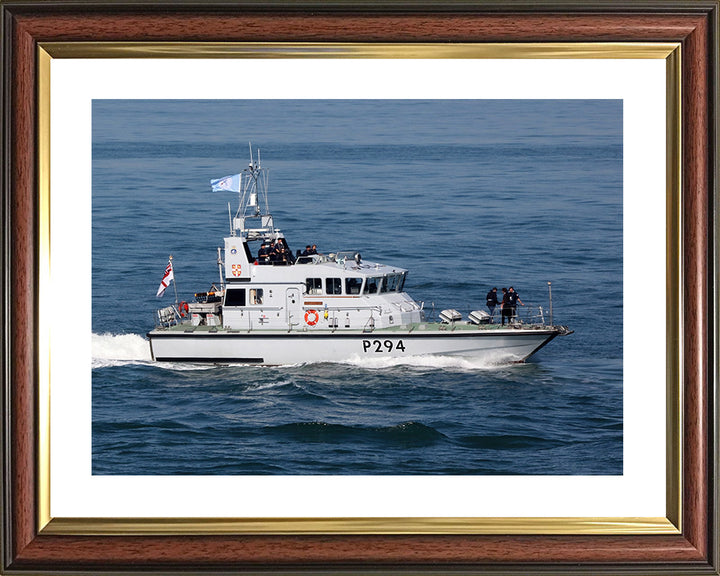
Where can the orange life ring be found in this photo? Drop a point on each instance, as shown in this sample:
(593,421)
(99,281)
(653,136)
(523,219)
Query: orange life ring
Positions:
(315,317)
(183,309)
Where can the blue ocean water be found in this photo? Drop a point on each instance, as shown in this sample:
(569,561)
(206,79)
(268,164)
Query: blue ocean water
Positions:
(466,194)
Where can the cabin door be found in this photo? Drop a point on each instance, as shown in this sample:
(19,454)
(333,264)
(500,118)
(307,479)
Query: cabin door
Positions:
(293,306)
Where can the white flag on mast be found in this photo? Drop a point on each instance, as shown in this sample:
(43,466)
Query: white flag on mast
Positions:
(167,277)
(232,183)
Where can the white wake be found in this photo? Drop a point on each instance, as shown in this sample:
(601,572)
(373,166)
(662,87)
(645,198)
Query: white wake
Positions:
(119,349)
(128,349)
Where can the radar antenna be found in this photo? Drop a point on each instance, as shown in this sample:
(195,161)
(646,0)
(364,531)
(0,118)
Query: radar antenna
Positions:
(253,219)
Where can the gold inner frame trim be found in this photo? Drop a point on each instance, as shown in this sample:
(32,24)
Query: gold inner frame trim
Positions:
(43,274)
(613,50)
(435,525)
(354,526)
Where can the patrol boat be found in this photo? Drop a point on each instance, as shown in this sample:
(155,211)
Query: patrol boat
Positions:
(278,308)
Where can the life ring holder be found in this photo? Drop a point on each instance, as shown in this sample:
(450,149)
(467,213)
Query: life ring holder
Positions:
(311,317)
(183,309)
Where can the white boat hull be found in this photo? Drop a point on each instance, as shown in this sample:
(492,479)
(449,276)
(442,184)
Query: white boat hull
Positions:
(276,348)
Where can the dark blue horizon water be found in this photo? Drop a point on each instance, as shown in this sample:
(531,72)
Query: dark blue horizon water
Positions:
(466,194)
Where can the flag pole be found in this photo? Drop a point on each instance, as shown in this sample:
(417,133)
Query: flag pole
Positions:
(174,283)
(550,294)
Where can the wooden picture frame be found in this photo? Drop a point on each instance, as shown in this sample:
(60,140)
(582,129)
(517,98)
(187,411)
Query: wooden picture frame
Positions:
(30,546)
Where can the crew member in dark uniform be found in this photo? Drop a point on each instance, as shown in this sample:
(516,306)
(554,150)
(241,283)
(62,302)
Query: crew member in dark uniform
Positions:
(492,302)
(273,255)
(280,257)
(514,298)
(263,254)
(505,308)
(282,253)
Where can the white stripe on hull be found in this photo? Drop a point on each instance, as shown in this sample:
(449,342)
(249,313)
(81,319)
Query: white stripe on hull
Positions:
(275,349)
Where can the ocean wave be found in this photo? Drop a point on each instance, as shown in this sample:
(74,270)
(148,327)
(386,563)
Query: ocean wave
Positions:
(508,442)
(269,385)
(404,434)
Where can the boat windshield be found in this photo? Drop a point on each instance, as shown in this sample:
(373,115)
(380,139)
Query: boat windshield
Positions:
(393,282)
(372,284)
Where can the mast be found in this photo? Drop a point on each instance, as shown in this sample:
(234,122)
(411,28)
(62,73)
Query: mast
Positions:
(220,265)
(254,203)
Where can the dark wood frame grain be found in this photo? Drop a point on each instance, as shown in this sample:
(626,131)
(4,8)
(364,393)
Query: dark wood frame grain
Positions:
(27,23)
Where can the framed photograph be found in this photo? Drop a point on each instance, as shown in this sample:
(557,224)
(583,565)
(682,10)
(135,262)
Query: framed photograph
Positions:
(568,149)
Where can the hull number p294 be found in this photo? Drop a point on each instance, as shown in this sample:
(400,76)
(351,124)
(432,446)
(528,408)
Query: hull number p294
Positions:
(382,345)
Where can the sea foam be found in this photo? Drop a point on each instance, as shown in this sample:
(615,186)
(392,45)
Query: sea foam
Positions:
(119,349)
(436,362)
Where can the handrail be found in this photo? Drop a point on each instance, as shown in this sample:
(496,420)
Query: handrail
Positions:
(523,314)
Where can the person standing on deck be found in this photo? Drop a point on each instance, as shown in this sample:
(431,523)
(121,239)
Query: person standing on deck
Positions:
(505,308)
(514,298)
(492,302)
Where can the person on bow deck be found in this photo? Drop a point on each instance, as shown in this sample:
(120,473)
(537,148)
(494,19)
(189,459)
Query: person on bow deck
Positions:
(505,309)
(514,298)
(492,301)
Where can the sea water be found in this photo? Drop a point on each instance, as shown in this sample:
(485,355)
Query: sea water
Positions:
(466,194)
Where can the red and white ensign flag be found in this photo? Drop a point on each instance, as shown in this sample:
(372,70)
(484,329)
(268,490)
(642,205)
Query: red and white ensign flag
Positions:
(167,277)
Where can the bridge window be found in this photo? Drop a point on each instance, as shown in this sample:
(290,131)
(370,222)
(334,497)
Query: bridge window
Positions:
(353,285)
(333,286)
(401,281)
(313,285)
(392,281)
(371,286)
(235,297)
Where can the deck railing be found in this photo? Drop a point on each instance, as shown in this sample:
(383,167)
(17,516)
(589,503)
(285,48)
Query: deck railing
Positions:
(166,317)
(534,315)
